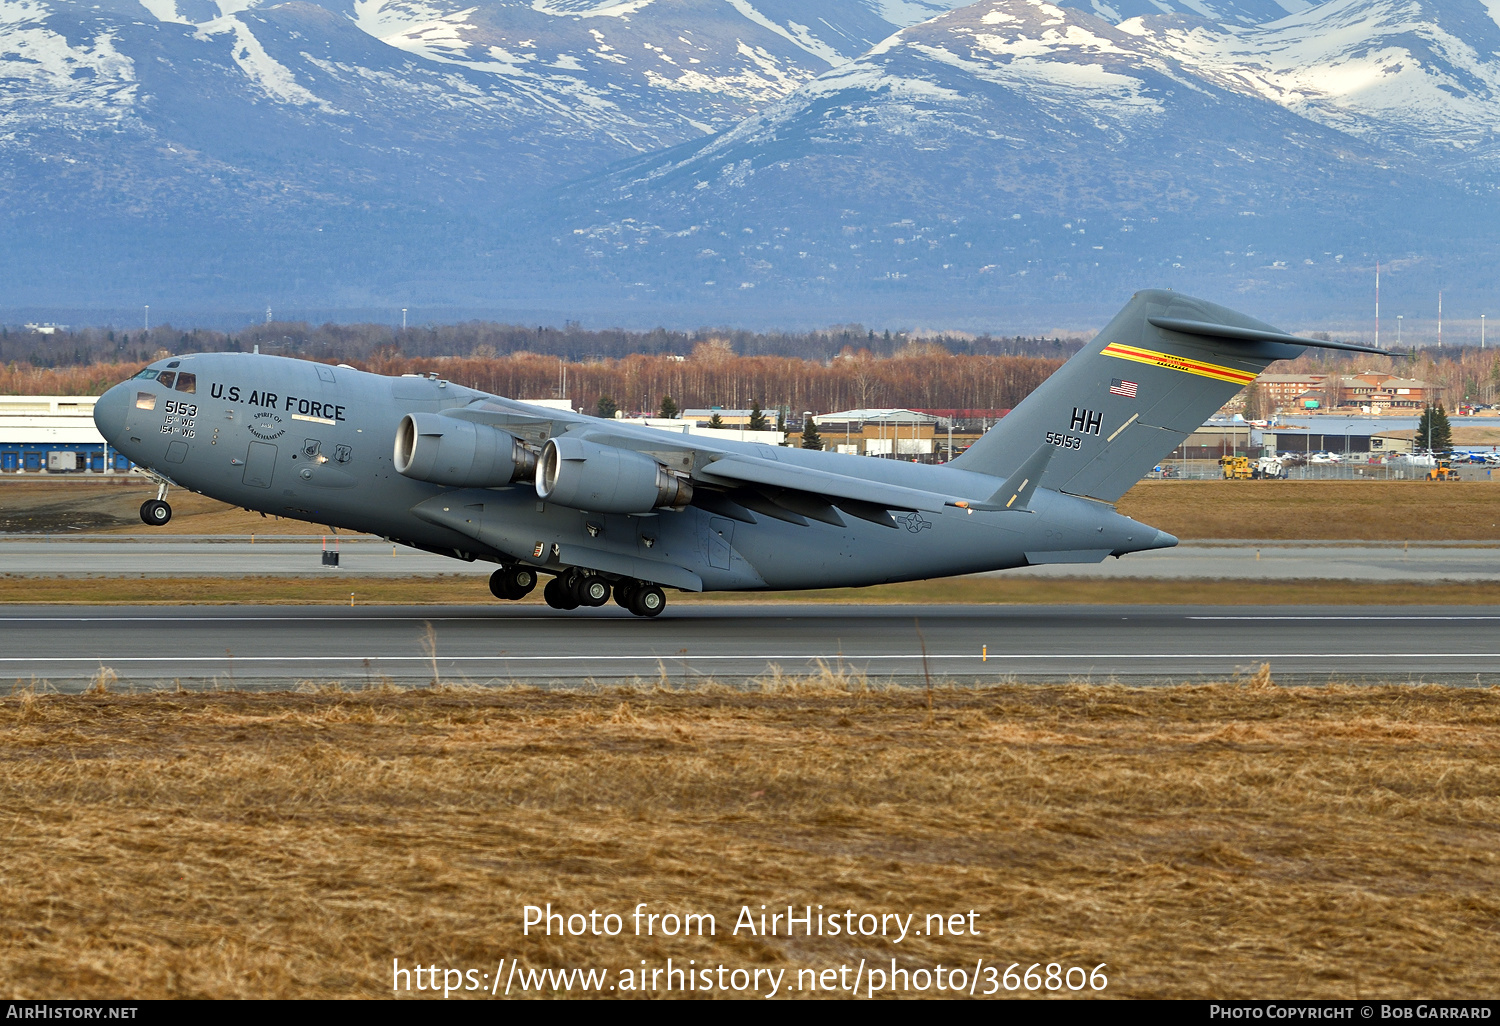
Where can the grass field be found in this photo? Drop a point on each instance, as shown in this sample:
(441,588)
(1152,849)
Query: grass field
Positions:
(469,589)
(1343,510)
(1306,510)
(1235,840)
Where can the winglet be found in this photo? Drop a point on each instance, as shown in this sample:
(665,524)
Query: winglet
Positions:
(1015,494)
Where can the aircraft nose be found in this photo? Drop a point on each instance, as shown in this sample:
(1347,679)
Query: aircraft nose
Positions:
(109,412)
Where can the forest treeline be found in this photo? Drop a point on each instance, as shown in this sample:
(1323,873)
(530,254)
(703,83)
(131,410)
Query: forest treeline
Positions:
(712,376)
(712,371)
(348,343)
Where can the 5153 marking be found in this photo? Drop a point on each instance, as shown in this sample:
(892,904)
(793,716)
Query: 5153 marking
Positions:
(179,418)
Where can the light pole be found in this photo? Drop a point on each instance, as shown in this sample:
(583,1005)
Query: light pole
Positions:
(1481,331)
(148,316)
(1398,328)
(403,318)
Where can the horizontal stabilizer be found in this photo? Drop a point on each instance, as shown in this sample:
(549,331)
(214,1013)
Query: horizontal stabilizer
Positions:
(1015,494)
(1205,329)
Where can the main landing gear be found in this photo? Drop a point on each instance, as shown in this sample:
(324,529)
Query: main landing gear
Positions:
(156,512)
(640,598)
(572,589)
(512,582)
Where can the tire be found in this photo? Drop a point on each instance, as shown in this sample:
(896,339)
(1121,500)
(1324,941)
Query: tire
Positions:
(155,512)
(649,601)
(514,582)
(558,595)
(522,580)
(591,591)
(625,594)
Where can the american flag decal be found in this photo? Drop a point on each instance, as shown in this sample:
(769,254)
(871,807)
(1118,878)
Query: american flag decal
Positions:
(1119,386)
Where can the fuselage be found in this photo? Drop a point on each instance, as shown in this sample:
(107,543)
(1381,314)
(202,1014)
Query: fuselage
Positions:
(292,438)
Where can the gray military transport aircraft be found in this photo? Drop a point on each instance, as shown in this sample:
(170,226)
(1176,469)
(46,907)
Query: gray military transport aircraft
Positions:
(615,509)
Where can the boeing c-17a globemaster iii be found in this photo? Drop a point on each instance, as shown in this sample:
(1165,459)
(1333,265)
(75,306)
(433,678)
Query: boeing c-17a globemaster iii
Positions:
(610,509)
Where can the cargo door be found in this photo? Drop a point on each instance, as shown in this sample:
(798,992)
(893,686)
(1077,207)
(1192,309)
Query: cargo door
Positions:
(260,464)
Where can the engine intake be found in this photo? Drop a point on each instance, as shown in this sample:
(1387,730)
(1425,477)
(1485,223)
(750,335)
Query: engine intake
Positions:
(606,479)
(448,451)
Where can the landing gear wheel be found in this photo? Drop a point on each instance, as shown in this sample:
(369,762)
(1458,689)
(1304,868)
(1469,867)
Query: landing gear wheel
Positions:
(649,601)
(558,595)
(512,582)
(591,591)
(625,594)
(155,512)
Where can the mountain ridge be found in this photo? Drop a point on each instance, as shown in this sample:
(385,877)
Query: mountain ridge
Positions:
(741,156)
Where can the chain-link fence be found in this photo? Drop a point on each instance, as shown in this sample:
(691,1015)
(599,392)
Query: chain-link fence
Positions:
(1209,470)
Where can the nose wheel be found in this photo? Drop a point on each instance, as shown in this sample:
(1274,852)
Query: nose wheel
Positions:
(155,512)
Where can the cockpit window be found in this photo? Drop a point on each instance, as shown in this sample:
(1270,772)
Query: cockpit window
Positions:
(166,379)
(148,373)
(187,382)
(145,401)
(174,363)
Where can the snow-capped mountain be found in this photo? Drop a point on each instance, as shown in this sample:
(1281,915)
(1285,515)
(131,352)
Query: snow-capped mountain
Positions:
(203,128)
(504,93)
(708,155)
(1015,150)
(1229,12)
(1407,74)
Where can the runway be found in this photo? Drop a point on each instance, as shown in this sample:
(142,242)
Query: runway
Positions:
(154,555)
(277,647)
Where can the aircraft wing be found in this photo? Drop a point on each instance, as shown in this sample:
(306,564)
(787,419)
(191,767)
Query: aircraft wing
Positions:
(533,423)
(740,470)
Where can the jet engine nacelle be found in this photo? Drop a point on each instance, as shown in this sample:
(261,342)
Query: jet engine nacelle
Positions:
(606,479)
(448,451)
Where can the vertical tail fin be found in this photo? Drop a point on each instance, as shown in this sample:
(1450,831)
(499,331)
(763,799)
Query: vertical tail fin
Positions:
(1155,373)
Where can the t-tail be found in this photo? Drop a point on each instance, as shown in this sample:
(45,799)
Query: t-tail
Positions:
(1127,399)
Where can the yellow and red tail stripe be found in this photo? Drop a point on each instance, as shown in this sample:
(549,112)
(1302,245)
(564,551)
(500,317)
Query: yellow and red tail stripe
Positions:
(1179,363)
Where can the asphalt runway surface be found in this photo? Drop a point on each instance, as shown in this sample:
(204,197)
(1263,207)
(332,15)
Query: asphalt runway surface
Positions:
(189,556)
(278,647)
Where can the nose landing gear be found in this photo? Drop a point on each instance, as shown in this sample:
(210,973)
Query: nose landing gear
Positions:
(156,512)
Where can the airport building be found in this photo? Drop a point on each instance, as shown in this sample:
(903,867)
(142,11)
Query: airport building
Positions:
(53,433)
(1371,392)
(880,432)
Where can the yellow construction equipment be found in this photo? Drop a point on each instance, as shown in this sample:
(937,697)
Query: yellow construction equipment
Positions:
(1236,468)
(1442,472)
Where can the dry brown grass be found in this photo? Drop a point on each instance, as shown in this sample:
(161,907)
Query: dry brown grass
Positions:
(1354,510)
(1238,840)
(1293,510)
(51,507)
(472,589)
